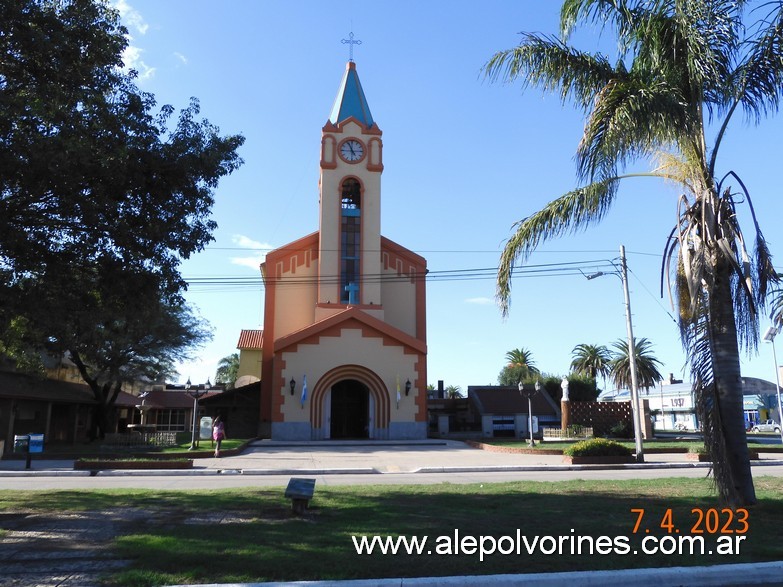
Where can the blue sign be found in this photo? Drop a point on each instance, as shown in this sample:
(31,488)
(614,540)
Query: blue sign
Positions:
(36,442)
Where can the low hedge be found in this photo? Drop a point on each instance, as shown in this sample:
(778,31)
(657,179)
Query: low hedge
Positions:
(597,447)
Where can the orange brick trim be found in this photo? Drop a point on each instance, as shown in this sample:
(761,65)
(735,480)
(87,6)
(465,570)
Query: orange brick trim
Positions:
(336,331)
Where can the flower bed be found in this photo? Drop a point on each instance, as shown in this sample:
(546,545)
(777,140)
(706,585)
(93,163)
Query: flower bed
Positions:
(598,460)
(514,449)
(598,451)
(703,457)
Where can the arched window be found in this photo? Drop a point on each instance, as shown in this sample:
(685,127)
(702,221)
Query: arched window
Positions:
(351,194)
(350,241)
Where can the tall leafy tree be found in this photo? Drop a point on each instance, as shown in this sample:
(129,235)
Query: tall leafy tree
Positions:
(101,198)
(227,370)
(681,65)
(88,168)
(647,374)
(122,327)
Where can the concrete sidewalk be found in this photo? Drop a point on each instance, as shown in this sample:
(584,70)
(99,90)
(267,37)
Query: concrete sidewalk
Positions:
(266,457)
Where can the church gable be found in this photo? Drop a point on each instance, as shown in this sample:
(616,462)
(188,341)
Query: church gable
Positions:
(351,319)
(352,352)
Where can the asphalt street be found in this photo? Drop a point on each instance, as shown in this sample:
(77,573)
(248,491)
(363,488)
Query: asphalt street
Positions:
(267,463)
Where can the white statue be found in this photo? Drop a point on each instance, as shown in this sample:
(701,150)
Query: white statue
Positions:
(564,387)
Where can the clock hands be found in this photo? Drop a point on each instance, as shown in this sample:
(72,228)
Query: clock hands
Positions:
(352,150)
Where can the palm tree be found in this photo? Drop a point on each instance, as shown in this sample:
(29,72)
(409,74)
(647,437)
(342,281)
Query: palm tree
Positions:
(520,367)
(681,63)
(522,358)
(227,370)
(647,374)
(453,392)
(591,360)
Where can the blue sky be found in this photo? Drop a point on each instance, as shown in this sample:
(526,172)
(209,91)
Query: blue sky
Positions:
(463,160)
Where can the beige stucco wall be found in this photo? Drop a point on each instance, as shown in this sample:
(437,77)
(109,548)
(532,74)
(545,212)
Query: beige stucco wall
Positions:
(400,303)
(388,362)
(249,363)
(295,302)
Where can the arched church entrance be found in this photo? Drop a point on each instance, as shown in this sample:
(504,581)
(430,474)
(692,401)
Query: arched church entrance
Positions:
(331,420)
(350,410)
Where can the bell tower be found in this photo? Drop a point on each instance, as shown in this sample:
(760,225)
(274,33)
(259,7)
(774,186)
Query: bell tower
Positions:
(349,255)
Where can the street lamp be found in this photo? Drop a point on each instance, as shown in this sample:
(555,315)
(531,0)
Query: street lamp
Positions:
(769,336)
(635,405)
(195,393)
(529,393)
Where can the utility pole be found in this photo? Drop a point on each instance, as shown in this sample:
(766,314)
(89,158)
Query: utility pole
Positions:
(635,404)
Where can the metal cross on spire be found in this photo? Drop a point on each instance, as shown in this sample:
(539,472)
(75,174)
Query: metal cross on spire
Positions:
(350,42)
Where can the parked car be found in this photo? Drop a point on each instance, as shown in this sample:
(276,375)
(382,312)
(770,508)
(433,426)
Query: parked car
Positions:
(768,426)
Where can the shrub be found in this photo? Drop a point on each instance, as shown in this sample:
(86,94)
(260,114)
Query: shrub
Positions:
(597,447)
(623,429)
(697,449)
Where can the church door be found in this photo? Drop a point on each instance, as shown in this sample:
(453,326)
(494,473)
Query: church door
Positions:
(350,412)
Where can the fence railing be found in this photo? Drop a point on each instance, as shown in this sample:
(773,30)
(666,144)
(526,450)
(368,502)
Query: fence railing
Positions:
(570,432)
(140,439)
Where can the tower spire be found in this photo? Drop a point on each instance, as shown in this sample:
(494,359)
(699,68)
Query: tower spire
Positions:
(350,100)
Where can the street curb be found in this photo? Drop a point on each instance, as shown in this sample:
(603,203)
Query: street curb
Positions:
(737,574)
(360,470)
(355,471)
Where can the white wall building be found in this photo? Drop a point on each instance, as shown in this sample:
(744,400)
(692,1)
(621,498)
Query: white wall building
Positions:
(673,407)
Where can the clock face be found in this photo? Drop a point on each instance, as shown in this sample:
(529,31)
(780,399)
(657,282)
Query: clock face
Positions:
(352,151)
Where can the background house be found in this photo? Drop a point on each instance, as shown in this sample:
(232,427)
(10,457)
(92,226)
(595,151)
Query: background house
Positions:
(491,411)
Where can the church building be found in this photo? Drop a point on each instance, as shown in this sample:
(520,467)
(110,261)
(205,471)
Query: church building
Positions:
(343,352)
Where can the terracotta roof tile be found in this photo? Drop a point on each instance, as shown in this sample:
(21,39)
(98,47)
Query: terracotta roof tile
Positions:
(251,339)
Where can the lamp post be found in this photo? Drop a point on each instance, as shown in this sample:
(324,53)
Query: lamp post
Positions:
(195,393)
(529,393)
(769,336)
(635,405)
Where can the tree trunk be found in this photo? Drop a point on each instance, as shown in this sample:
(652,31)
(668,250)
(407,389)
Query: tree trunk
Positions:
(728,384)
(100,412)
(99,422)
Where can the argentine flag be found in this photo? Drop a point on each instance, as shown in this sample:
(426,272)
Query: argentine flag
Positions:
(304,389)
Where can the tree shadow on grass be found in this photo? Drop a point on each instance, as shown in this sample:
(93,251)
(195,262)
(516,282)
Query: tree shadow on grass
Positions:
(269,543)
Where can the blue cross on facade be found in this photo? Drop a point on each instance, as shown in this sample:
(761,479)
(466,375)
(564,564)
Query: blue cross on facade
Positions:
(350,42)
(353,293)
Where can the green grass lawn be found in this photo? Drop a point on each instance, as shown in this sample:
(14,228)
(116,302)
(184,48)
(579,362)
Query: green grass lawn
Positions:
(260,539)
(95,449)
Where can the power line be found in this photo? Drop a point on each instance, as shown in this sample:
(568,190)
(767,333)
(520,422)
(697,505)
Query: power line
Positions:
(439,251)
(448,275)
